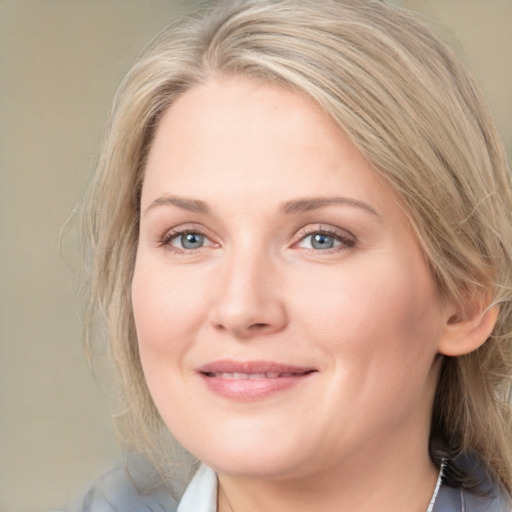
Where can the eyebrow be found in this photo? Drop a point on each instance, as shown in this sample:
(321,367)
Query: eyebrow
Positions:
(192,205)
(314,203)
(295,206)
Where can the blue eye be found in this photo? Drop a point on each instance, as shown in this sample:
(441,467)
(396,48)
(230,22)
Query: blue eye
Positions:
(188,241)
(323,241)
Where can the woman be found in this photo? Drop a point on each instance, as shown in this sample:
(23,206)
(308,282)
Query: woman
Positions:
(301,242)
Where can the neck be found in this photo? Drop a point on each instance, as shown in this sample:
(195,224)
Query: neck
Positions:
(400,481)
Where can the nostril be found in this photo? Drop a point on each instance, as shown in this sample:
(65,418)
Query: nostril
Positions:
(258,326)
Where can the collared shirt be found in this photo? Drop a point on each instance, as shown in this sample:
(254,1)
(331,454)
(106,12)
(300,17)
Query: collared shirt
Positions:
(201,496)
(118,491)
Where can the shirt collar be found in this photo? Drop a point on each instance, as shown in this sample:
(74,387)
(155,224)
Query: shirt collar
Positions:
(201,493)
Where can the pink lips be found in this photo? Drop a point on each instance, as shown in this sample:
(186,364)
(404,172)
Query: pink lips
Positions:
(251,380)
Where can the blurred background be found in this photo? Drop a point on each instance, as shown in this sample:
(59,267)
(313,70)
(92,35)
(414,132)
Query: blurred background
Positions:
(60,63)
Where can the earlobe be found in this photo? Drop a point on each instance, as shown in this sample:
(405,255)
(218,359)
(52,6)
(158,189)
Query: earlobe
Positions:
(464,334)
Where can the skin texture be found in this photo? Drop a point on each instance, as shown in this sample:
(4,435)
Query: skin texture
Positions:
(363,314)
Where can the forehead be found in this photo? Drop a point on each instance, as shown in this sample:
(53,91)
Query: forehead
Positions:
(240,129)
(231,110)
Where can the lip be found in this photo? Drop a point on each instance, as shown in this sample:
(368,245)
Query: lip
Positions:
(251,380)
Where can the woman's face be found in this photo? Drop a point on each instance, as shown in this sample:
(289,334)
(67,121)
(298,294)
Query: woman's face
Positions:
(286,318)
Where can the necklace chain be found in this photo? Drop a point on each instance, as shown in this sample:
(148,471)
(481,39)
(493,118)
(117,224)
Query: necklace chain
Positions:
(430,507)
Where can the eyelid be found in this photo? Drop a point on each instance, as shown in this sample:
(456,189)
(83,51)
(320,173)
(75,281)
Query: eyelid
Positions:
(347,240)
(172,233)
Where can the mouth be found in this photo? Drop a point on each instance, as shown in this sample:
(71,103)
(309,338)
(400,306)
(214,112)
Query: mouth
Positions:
(251,380)
(254,376)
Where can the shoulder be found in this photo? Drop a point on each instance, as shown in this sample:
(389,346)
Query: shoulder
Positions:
(453,499)
(487,496)
(130,487)
(499,501)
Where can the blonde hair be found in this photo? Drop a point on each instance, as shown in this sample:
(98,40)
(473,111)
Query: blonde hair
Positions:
(407,103)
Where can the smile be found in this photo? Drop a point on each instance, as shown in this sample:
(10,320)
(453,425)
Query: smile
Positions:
(251,380)
(255,376)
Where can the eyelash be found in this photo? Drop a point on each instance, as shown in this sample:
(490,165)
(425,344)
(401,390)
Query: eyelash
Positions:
(345,241)
(169,236)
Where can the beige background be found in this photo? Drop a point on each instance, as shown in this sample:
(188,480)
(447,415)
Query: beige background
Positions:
(60,63)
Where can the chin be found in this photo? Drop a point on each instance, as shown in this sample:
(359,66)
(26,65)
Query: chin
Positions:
(258,457)
(263,466)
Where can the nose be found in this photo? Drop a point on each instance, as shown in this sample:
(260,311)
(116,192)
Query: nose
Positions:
(249,302)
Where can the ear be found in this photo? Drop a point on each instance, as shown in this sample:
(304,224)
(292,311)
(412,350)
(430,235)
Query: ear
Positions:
(467,328)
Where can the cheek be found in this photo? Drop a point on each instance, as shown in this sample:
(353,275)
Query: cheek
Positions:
(389,307)
(166,311)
